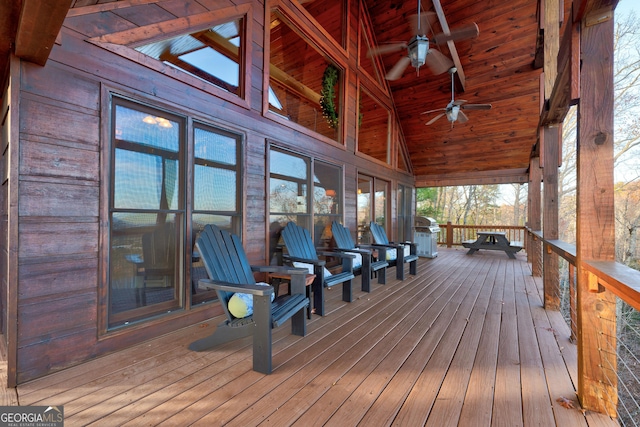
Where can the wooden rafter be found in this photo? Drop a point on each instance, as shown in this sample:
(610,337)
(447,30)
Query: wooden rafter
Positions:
(450,44)
(38,27)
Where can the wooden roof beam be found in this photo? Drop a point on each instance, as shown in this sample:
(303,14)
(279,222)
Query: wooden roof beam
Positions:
(509,176)
(437,6)
(38,27)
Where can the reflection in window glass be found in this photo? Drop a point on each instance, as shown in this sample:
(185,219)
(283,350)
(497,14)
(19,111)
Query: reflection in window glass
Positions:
(152,268)
(146,209)
(381,203)
(296,80)
(216,193)
(367,62)
(330,14)
(213,55)
(288,195)
(373,128)
(327,201)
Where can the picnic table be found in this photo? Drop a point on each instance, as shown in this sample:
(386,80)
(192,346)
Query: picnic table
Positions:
(494,241)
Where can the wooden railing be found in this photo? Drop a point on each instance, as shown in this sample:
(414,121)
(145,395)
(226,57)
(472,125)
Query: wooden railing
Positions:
(598,358)
(451,234)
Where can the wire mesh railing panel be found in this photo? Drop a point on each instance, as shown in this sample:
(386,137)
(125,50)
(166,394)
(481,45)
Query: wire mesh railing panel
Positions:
(628,369)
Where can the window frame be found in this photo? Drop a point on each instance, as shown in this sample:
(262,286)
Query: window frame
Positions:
(185,241)
(123,43)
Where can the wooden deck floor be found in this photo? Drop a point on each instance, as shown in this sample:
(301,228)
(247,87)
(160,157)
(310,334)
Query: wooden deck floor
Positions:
(465,342)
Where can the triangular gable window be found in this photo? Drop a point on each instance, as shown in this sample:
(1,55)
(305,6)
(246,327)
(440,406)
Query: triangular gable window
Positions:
(212,55)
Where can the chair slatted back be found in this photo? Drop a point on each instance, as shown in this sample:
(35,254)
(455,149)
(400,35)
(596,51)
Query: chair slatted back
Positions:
(224,259)
(378,233)
(342,236)
(298,241)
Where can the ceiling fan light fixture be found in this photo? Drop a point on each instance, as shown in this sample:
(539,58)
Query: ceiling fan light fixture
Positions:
(452,114)
(418,49)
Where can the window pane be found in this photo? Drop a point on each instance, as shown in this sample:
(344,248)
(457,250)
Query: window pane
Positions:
(287,196)
(381,202)
(373,128)
(287,164)
(215,146)
(212,55)
(214,189)
(143,265)
(298,73)
(327,191)
(145,181)
(330,14)
(148,130)
(364,208)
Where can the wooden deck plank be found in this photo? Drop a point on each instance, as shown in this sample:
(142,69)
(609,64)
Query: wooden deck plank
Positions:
(330,389)
(478,401)
(457,344)
(536,402)
(408,377)
(507,398)
(308,353)
(450,398)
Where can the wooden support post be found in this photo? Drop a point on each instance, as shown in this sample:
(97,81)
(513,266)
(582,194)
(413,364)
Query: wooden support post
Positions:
(449,234)
(596,314)
(535,218)
(551,273)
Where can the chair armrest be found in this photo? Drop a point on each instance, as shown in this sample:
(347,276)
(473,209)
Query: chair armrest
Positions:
(319,262)
(336,254)
(259,290)
(354,250)
(282,269)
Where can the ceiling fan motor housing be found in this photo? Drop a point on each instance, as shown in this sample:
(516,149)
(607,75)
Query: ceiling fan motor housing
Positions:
(418,49)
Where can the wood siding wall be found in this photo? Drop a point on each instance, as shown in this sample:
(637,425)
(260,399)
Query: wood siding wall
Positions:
(63,134)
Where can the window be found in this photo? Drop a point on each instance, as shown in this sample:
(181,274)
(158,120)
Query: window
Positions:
(152,224)
(327,194)
(372,203)
(305,86)
(216,192)
(213,55)
(330,14)
(373,128)
(290,190)
(288,194)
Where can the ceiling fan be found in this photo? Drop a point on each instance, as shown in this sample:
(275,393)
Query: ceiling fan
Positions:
(419,52)
(453,110)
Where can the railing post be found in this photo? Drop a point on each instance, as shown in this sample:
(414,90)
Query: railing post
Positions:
(550,274)
(595,222)
(449,234)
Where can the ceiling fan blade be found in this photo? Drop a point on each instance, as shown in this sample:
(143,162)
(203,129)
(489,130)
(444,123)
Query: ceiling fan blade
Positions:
(437,62)
(467,32)
(462,117)
(434,119)
(426,23)
(433,111)
(386,48)
(477,107)
(396,72)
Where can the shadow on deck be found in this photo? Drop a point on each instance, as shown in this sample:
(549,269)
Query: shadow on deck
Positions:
(465,342)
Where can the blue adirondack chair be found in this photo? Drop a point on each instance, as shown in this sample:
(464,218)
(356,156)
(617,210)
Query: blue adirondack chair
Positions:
(400,258)
(368,267)
(301,251)
(230,273)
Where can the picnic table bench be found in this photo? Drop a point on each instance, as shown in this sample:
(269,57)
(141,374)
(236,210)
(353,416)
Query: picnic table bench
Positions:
(494,241)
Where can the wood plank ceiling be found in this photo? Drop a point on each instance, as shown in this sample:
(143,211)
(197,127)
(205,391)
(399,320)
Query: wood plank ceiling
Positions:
(498,65)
